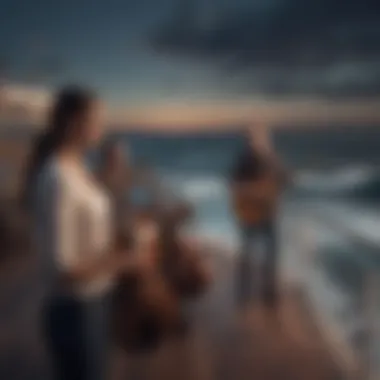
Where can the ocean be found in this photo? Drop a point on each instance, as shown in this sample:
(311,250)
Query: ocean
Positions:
(336,165)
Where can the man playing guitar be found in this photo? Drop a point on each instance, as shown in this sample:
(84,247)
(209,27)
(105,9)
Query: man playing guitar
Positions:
(257,182)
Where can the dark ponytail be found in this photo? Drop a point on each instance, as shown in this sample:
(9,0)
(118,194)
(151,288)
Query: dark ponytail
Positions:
(70,103)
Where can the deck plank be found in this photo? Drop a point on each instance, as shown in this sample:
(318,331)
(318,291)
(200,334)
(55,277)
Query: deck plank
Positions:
(225,343)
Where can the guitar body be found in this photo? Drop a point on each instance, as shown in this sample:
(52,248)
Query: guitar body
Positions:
(145,307)
(255,201)
(182,264)
(145,311)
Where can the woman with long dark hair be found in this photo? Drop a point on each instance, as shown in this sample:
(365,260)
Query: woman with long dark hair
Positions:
(72,224)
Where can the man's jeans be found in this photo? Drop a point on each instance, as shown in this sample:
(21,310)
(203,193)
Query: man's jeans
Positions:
(265,259)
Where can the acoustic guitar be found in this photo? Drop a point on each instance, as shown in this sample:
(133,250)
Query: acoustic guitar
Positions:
(255,201)
(145,308)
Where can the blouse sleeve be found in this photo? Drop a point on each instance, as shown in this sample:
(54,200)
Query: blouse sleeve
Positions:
(60,220)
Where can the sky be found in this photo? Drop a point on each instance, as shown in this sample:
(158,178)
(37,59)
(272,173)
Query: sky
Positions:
(198,62)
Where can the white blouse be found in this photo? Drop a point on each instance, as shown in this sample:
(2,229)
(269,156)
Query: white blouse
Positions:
(73,221)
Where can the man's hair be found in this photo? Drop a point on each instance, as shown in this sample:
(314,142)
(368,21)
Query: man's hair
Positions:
(250,165)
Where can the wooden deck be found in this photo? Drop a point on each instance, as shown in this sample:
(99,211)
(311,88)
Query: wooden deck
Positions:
(225,343)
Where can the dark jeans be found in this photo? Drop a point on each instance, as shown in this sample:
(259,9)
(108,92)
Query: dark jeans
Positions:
(264,233)
(77,338)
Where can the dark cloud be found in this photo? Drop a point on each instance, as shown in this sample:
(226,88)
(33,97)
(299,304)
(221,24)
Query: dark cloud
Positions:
(288,47)
(355,79)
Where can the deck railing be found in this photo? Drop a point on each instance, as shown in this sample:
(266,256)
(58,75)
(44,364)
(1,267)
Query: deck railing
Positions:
(341,279)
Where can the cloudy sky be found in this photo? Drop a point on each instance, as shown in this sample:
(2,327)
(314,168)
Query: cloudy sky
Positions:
(200,61)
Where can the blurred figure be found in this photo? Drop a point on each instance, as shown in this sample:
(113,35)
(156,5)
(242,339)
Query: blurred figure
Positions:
(144,203)
(115,175)
(72,222)
(145,191)
(114,168)
(257,182)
